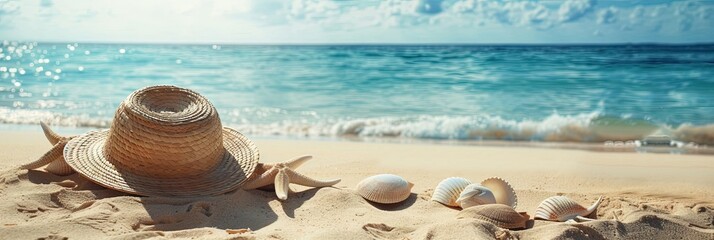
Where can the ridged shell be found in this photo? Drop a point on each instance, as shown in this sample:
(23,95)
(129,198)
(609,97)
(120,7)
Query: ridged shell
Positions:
(502,191)
(475,194)
(561,208)
(384,188)
(503,216)
(448,190)
(59,167)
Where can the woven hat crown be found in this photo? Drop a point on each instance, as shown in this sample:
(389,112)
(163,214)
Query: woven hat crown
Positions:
(165,132)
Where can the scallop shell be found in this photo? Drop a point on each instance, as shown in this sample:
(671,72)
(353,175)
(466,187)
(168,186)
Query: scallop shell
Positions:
(475,194)
(59,167)
(501,215)
(561,208)
(502,191)
(448,190)
(384,188)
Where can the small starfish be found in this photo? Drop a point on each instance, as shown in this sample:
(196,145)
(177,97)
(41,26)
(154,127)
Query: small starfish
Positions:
(54,157)
(282,174)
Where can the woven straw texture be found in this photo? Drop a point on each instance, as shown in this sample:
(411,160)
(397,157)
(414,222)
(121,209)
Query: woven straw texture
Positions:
(165,141)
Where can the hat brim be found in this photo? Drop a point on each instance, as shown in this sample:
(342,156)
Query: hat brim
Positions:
(85,154)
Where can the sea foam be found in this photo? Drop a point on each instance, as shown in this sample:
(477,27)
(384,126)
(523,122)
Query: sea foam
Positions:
(586,128)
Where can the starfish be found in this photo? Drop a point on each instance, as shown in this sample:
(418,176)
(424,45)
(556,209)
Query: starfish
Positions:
(54,157)
(282,174)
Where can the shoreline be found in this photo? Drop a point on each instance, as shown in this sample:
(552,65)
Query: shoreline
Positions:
(641,191)
(620,147)
(395,157)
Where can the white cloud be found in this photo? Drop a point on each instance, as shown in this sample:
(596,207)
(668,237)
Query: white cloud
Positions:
(572,10)
(526,13)
(314,9)
(637,13)
(8,7)
(355,21)
(521,13)
(245,8)
(607,16)
(388,13)
(686,12)
(670,18)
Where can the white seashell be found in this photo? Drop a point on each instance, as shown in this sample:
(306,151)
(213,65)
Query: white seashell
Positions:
(561,208)
(502,191)
(384,188)
(448,190)
(475,194)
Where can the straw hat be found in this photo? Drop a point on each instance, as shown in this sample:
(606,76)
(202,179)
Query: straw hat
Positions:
(164,141)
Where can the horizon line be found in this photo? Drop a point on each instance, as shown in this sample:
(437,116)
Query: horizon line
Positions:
(373,43)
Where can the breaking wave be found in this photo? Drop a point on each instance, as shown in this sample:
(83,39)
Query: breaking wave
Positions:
(587,128)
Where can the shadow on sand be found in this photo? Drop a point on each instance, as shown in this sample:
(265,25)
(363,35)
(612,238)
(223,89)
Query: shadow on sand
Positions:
(232,210)
(396,206)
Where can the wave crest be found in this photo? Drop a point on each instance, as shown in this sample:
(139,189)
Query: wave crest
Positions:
(590,127)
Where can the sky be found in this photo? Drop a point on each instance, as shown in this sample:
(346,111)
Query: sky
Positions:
(358,21)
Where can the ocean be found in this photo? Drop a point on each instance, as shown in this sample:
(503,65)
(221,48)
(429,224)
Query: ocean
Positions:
(513,93)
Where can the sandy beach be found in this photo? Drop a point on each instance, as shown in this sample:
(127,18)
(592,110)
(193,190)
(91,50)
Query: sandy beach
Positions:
(647,196)
(327,119)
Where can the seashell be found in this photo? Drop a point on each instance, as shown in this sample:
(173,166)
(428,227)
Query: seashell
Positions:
(384,188)
(561,208)
(502,191)
(501,215)
(59,167)
(475,194)
(448,190)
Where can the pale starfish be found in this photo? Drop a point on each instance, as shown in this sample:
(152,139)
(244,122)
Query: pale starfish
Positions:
(281,175)
(54,157)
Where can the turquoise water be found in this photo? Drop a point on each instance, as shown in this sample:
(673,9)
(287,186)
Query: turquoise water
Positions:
(513,93)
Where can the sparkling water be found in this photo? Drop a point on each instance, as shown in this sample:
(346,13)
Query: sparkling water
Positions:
(546,93)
